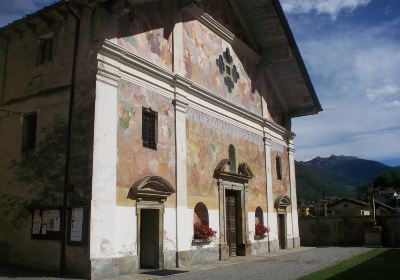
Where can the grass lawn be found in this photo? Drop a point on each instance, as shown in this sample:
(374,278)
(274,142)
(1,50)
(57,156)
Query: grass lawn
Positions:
(375,264)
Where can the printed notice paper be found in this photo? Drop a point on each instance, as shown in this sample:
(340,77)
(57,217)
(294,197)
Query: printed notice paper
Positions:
(76,224)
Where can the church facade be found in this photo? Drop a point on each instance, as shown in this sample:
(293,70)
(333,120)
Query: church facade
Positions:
(177,148)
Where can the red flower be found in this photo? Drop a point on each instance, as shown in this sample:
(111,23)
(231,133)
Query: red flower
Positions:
(203,232)
(261,229)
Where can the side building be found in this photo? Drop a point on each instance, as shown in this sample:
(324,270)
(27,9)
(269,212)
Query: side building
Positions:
(148,134)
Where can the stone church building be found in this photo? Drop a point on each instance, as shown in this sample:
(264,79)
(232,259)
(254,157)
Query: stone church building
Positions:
(148,134)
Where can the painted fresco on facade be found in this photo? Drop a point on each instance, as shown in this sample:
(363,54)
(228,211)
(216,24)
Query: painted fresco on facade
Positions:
(201,49)
(208,140)
(145,31)
(280,187)
(135,161)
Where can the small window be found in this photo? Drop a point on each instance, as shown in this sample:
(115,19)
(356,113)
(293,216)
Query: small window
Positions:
(345,205)
(29,131)
(149,128)
(44,50)
(200,214)
(278,163)
(259,217)
(232,158)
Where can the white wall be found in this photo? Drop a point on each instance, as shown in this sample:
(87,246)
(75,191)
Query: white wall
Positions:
(103,209)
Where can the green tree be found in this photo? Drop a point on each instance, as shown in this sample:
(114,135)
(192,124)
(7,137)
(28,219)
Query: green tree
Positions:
(388,179)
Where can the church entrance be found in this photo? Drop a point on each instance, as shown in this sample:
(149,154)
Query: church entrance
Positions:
(282,231)
(232,222)
(149,238)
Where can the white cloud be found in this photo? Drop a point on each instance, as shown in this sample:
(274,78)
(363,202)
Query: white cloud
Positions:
(382,92)
(331,7)
(357,69)
(394,103)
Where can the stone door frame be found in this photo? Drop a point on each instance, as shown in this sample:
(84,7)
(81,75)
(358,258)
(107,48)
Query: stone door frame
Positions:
(243,233)
(150,192)
(281,204)
(153,205)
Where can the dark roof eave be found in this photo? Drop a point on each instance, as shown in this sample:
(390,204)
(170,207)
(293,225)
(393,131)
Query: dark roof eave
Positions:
(296,52)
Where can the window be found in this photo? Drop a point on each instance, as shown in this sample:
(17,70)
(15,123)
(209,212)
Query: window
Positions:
(29,131)
(278,163)
(149,128)
(259,217)
(232,158)
(200,214)
(44,49)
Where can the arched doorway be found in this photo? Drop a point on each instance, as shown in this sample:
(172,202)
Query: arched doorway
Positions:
(150,193)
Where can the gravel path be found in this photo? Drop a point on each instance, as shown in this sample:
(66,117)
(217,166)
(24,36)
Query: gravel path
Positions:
(282,267)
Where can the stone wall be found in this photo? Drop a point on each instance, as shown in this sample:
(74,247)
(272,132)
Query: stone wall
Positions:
(346,231)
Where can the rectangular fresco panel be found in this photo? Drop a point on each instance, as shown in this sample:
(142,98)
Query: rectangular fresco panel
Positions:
(208,140)
(202,49)
(135,161)
(280,187)
(147,32)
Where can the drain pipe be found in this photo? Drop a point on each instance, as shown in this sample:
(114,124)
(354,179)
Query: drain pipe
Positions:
(68,140)
(3,90)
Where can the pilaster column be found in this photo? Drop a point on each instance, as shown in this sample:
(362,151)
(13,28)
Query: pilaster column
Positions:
(183,231)
(293,194)
(271,215)
(104,176)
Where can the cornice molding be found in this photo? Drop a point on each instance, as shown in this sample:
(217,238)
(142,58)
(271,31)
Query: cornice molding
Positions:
(112,74)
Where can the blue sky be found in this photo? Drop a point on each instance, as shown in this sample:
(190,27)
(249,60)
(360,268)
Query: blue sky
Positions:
(352,51)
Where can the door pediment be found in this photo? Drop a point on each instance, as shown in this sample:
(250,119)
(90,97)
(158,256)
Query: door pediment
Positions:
(243,176)
(151,188)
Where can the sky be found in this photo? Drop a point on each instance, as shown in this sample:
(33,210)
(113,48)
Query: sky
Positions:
(351,49)
(352,52)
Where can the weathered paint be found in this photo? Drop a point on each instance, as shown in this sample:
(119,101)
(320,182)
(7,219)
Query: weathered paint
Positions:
(280,187)
(147,32)
(208,141)
(134,160)
(201,49)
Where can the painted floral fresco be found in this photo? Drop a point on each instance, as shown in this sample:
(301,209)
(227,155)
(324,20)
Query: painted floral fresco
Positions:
(280,187)
(147,32)
(135,161)
(208,140)
(201,49)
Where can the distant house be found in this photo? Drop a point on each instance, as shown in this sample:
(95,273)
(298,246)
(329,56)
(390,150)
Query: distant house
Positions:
(305,210)
(353,207)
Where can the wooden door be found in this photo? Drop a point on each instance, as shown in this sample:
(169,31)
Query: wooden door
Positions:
(231,221)
(282,231)
(149,238)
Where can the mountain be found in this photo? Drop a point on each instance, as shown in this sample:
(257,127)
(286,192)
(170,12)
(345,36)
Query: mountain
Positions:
(335,176)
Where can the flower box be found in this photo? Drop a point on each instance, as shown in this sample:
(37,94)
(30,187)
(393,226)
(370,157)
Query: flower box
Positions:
(259,237)
(203,232)
(260,231)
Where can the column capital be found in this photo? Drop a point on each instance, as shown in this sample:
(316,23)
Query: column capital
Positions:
(180,103)
(267,139)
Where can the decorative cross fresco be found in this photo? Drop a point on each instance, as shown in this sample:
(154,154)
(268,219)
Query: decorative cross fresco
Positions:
(226,68)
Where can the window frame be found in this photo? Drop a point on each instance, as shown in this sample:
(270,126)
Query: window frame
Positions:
(278,165)
(148,116)
(44,52)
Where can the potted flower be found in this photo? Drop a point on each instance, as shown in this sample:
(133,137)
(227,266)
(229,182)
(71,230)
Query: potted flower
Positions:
(261,231)
(203,233)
